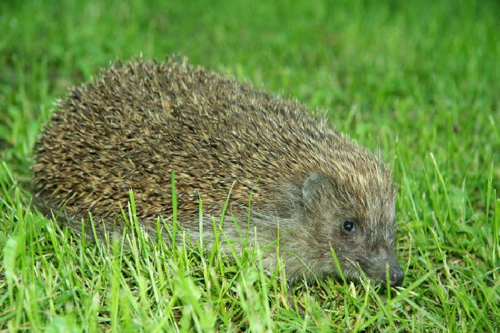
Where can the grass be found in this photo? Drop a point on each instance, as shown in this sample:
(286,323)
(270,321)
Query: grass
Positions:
(417,79)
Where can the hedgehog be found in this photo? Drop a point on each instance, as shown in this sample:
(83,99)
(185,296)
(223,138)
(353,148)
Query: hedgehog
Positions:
(283,175)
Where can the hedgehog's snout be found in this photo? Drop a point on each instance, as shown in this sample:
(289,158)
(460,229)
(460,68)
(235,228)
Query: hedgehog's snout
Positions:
(384,266)
(396,276)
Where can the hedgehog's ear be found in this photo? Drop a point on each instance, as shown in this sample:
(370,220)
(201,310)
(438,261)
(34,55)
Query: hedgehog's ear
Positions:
(314,189)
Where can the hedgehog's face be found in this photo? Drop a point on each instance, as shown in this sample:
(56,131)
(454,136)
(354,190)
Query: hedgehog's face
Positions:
(355,219)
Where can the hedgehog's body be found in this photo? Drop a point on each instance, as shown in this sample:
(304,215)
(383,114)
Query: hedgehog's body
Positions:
(137,123)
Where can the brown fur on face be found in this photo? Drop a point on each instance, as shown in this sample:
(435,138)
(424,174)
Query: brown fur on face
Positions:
(137,123)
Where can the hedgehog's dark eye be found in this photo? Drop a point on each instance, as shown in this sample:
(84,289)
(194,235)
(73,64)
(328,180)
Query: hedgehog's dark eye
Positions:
(349,226)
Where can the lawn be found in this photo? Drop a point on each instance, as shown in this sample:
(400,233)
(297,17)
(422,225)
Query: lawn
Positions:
(418,80)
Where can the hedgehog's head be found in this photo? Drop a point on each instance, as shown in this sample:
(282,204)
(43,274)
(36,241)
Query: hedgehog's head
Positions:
(352,212)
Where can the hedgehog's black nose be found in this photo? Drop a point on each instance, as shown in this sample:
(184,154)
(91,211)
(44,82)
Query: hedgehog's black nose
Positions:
(396,275)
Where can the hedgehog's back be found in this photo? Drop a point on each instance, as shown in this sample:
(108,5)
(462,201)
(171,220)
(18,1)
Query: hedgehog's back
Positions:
(137,123)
